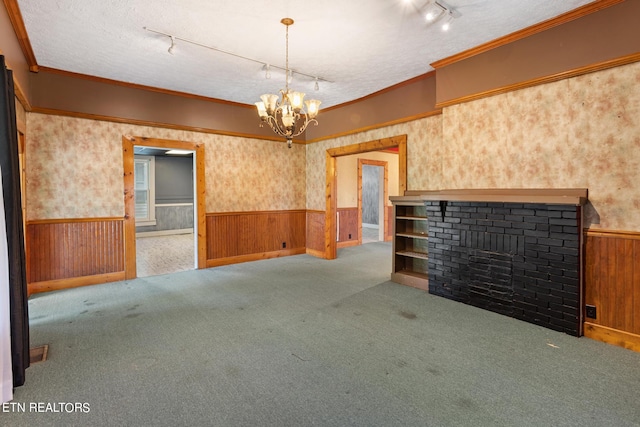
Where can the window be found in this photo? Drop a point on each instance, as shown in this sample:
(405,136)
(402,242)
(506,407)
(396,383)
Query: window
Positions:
(144,177)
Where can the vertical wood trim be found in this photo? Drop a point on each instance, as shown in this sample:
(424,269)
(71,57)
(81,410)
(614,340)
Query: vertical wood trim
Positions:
(201,191)
(129,210)
(128,143)
(402,165)
(360,164)
(331,201)
(399,141)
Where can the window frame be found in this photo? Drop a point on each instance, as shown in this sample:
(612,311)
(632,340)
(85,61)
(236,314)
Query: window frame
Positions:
(150,219)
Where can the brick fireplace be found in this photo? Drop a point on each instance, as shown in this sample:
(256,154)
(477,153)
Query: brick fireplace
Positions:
(514,252)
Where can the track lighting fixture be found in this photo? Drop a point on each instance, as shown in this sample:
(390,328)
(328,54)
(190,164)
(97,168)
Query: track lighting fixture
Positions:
(447,22)
(267,67)
(436,10)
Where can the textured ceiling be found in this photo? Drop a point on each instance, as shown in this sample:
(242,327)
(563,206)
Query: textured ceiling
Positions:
(359,46)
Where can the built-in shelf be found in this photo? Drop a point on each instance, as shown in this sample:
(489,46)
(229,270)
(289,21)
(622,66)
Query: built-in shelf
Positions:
(410,242)
(412,218)
(413,235)
(412,254)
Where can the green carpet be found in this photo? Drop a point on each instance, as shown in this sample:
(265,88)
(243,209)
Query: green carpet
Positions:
(300,341)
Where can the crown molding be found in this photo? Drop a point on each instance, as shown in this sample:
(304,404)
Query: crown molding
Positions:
(385,90)
(529,31)
(13,10)
(141,87)
(629,59)
(136,122)
(436,112)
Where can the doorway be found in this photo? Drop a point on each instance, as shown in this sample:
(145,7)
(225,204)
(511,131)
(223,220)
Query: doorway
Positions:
(332,154)
(164,208)
(372,196)
(199,220)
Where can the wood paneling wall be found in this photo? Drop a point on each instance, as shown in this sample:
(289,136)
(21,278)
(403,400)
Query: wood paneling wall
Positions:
(315,233)
(244,236)
(348,225)
(88,250)
(612,285)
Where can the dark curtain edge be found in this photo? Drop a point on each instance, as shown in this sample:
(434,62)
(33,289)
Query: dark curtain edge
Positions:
(19,316)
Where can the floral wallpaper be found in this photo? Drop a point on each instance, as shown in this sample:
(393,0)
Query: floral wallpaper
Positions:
(244,174)
(424,138)
(578,132)
(74,169)
(581,132)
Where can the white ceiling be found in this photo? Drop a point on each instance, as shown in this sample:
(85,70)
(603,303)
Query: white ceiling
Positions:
(360,46)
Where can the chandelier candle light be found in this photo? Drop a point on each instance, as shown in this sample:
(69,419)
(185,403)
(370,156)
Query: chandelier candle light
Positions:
(287,116)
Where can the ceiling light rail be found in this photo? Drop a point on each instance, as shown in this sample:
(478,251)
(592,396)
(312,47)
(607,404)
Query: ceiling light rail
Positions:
(266,66)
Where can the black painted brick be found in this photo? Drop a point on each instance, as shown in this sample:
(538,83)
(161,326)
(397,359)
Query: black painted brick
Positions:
(540,285)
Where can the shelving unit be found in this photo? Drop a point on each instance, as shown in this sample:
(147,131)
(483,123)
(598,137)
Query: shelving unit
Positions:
(410,242)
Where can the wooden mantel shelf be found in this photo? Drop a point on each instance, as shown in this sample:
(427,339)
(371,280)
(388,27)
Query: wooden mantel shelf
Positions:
(554,196)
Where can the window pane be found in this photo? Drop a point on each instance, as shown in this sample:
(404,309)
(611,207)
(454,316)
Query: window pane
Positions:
(141,172)
(142,204)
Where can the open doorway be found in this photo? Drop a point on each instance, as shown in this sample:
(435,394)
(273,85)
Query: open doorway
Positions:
(164,208)
(372,197)
(399,143)
(199,220)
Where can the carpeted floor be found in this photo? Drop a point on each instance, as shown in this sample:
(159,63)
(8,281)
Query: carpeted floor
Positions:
(157,255)
(301,341)
(369,235)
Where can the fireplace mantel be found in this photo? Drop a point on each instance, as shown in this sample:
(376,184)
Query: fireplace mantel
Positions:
(554,196)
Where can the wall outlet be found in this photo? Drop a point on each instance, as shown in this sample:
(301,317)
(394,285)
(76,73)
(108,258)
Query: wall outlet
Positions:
(284,245)
(590,311)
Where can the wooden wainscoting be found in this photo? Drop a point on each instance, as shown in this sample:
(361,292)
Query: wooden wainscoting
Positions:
(612,285)
(234,237)
(315,233)
(66,253)
(348,227)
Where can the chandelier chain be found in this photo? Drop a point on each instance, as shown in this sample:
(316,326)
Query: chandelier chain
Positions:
(286,62)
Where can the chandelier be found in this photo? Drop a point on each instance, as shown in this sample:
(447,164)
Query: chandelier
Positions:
(287,115)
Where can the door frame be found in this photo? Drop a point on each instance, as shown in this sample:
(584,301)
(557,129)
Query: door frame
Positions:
(331,194)
(385,195)
(128,142)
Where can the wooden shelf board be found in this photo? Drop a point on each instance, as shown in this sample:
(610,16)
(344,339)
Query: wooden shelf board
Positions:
(414,235)
(412,218)
(412,254)
(559,196)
